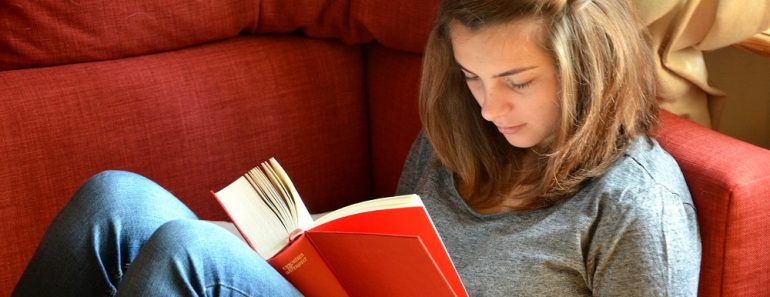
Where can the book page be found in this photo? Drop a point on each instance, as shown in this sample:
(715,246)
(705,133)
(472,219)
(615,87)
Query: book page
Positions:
(265,207)
(304,219)
(254,219)
(370,205)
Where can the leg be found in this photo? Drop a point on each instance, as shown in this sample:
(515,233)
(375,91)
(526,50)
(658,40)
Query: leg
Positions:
(196,258)
(89,245)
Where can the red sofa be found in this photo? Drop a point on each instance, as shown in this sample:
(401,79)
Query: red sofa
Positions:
(194,93)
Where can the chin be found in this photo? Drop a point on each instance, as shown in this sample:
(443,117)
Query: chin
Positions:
(522,143)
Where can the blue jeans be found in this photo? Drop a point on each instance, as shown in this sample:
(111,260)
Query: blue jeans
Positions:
(122,234)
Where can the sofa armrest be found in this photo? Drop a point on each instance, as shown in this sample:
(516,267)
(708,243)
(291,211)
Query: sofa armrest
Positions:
(730,183)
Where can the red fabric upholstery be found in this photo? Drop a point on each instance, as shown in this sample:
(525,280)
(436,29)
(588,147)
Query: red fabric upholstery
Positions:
(402,25)
(192,119)
(174,90)
(393,79)
(44,33)
(730,183)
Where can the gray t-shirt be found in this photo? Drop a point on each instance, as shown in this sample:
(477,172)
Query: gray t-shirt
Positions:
(630,232)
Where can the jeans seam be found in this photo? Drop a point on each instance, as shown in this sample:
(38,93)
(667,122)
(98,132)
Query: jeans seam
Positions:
(242,293)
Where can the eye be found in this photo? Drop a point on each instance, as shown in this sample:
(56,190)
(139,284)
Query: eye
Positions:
(470,77)
(520,86)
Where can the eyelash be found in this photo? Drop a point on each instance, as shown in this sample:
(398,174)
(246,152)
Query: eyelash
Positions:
(520,86)
(512,85)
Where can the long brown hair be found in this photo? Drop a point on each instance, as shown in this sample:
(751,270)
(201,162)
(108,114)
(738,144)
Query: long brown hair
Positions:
(607,98)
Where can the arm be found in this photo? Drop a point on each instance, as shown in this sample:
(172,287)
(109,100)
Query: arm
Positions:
(646,247)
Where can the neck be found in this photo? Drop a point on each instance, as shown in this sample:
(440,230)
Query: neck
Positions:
(519,188)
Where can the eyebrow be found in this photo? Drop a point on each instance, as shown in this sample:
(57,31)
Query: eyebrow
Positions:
(504,73)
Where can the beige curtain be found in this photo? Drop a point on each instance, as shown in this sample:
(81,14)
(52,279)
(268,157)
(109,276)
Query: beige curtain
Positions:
(681,30)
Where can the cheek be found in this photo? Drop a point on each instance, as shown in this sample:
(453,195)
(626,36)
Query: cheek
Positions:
(551,112)
(553,115)
(549,99)
(544,106)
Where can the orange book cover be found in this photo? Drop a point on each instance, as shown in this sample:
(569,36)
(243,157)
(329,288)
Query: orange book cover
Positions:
(381,247)
(304,268)
(407,221)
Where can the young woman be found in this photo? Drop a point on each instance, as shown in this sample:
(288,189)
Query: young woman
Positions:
(535,164)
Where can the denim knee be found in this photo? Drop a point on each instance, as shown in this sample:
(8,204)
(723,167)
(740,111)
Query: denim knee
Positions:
(125,192)
(191,237)
(199,242)
(192,257)
(111,183)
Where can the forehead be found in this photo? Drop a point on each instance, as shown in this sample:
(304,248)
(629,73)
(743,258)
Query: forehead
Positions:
(519,42)
(529,26)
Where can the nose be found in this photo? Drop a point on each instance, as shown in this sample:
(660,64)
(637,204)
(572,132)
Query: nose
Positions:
(495,105)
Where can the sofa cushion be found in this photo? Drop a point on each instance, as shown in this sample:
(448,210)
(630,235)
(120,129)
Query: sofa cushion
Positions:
(393,80)
(193,120)
(46,33)
(42,33)
(402,25)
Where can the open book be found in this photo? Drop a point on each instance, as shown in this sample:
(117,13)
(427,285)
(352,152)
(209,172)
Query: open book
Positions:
(380,247)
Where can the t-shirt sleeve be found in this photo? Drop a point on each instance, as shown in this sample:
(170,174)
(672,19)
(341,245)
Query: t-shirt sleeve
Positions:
(416,162)
(647,244)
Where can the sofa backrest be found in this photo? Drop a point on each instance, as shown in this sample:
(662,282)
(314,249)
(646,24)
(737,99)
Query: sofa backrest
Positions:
(192,94)
(46,33)
(192,120)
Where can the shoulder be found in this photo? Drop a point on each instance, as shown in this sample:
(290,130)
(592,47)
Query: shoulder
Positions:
(645,180)
(643,224)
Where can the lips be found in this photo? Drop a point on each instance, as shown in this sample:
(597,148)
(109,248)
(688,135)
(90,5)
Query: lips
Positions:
(510,129)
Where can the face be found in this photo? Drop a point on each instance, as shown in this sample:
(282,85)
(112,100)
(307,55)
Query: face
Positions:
(511,77)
